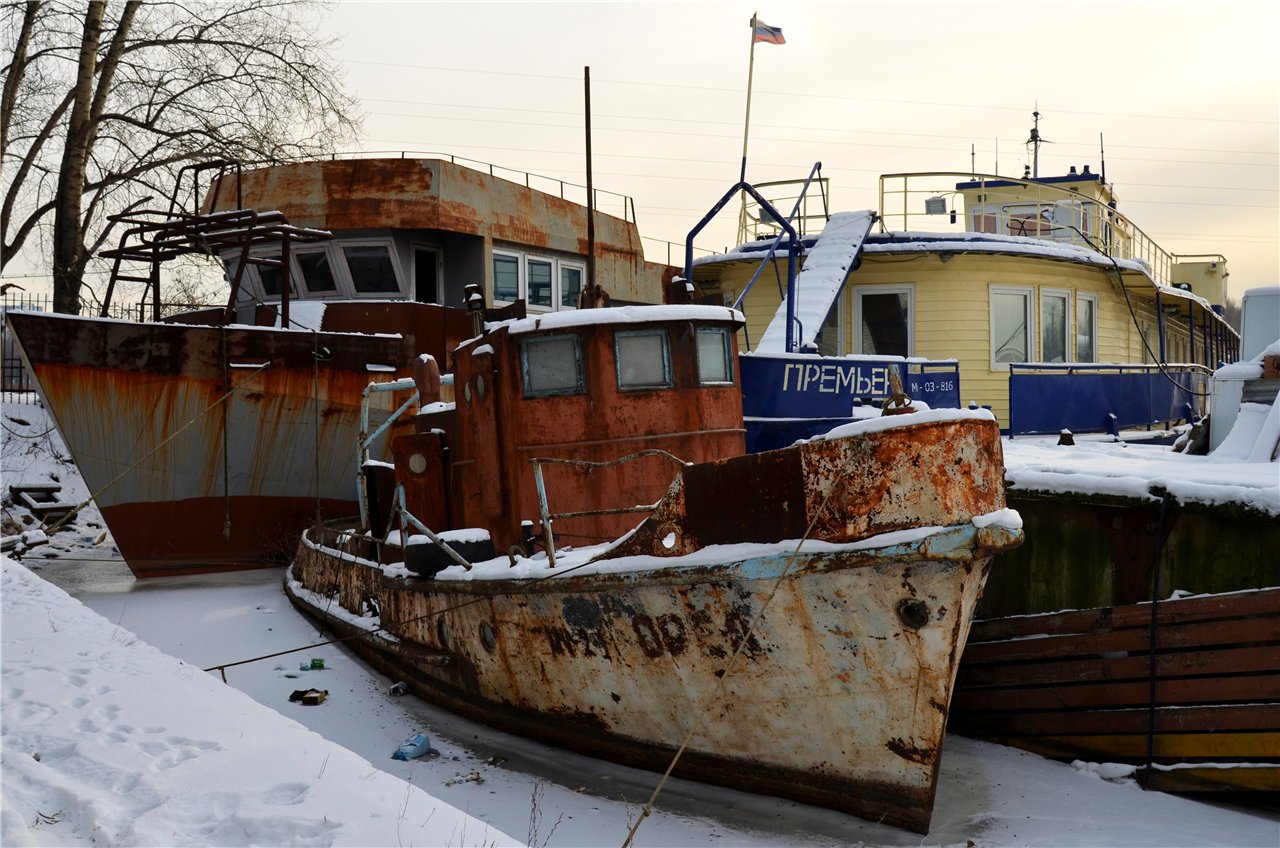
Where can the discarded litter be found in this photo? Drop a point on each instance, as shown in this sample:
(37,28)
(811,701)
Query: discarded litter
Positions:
(473,777)
(398,689)
(417,745)
(309,697)
(317,663)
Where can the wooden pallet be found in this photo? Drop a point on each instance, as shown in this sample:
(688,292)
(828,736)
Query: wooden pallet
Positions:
(1087,685)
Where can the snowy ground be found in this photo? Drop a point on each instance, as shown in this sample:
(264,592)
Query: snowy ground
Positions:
(138,746)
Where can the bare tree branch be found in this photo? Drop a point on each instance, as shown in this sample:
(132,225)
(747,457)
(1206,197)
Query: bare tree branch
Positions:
(93,123)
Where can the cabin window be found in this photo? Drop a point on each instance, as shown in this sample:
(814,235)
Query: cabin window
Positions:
(270,276)
(506,277)
(1011,326)
(316,272)
(1053,325)
(552,366)
(371,268)
(885,321)
(540,277)
(570,285)
(644,361)
(714,364)
(1086,328)
(547,283)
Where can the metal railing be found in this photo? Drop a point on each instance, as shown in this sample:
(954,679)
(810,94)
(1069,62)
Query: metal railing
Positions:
(544,509)
(809,211)
(1019,207)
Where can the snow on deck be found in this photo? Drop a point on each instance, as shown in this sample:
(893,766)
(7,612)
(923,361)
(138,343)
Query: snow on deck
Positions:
(818,284)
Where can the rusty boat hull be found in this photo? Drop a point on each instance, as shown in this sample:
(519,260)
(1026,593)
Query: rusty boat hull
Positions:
(817,670)
(209,448)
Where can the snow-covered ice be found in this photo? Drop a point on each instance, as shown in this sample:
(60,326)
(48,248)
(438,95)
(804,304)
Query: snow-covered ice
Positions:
(137,745)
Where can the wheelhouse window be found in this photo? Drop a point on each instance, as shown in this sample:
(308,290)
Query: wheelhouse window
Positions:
(1086,328)
(1053,325)
(270,276)
(547,283)
(570,285)
(506,277)
(540,277)
(371,268)
(316,273)
(884,320)
(644,359)
(1011,326)
(552,366)
(714,363)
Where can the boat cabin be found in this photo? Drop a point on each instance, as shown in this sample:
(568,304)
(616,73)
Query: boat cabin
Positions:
(421,229)
(547,408)
(1059,310)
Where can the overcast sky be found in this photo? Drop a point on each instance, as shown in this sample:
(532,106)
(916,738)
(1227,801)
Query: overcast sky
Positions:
(1183,96)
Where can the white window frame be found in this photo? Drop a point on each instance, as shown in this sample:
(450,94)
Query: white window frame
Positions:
(581,268)
(1029,299)
(344,271)
(1067,324)
(252,280)
(1093,329)
(519,259)
(301,281)
(525,261)
(855,332)
(522,260)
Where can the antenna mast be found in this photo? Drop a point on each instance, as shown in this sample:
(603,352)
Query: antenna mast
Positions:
(1034,143)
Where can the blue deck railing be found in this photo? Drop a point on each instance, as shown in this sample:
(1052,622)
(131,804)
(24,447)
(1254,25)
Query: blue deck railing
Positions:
(1095,398)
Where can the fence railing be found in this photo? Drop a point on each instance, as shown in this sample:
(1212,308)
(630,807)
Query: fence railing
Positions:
(1101,398)
(1027,207)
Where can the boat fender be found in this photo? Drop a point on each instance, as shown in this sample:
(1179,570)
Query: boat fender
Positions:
(417,745)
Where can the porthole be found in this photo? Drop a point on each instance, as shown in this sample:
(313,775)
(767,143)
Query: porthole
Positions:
(913,613)
(417,463)
(442,635)
(488,637)
(480,386)
(466,392)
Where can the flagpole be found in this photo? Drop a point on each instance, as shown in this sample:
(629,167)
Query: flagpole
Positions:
(746,129)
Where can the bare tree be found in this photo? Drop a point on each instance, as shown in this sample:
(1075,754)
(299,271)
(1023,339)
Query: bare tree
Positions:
(103,102)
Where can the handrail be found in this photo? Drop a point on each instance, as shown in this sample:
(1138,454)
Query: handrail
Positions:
(624,201)
(1040,206)
(544,510)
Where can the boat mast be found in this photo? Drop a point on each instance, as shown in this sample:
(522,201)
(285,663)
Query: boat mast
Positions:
(1034,143)
(591,197)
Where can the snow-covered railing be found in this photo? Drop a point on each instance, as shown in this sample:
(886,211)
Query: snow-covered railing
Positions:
(1018,207)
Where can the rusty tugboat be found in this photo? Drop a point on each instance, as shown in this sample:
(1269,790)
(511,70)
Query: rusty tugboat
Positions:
(787,622)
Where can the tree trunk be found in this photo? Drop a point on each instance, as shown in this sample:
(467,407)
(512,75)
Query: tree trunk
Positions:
(67,245)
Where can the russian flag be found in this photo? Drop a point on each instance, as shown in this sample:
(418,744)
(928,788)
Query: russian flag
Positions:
(766,33)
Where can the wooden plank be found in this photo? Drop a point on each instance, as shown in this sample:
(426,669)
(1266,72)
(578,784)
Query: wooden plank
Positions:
(1217,719)
(1211,663)
(1241,778)
(1169,748)
(1175,691)
(1176,636)
(1230,605)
